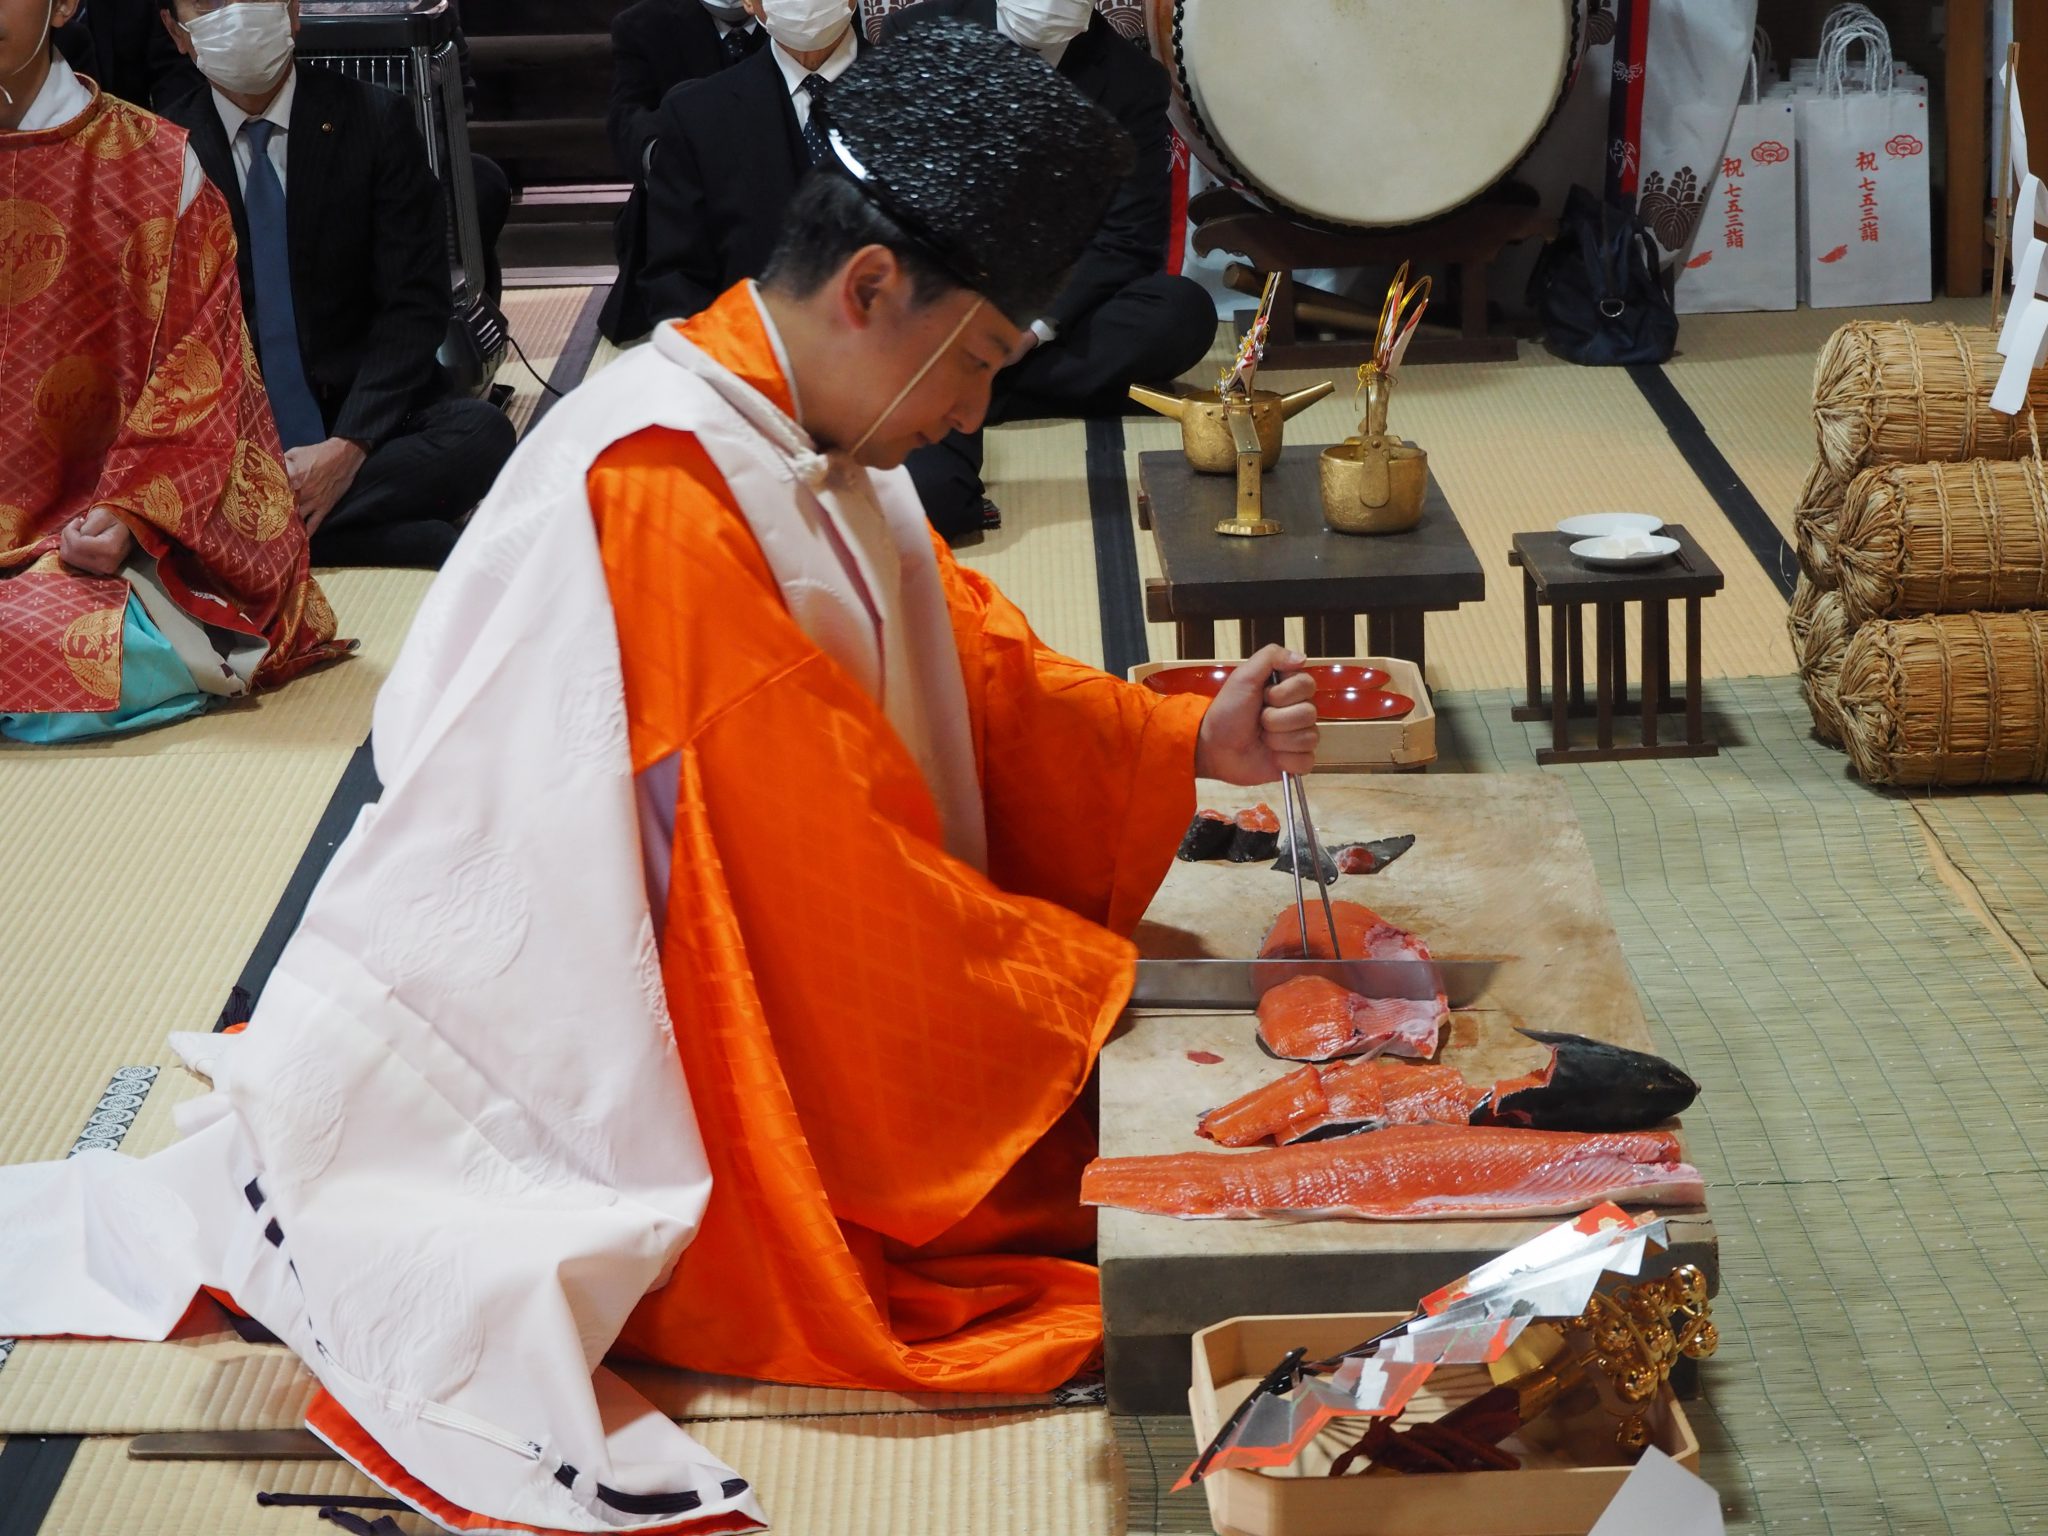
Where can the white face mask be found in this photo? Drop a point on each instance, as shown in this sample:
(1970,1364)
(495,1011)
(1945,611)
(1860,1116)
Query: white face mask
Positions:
(804,26)
(731,12)
(1042,24)
(244,47)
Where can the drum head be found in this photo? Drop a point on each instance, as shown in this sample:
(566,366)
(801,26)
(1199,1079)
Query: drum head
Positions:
(1373,112)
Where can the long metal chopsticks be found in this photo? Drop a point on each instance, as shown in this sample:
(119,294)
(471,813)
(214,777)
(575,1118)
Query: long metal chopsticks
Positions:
(1301,836)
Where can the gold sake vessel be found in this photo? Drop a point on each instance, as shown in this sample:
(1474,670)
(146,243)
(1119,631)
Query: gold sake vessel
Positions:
(1205,434)
(1374,483)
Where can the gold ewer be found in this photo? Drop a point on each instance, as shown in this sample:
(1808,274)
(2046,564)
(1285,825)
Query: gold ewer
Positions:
(1374,483)
(1205,433)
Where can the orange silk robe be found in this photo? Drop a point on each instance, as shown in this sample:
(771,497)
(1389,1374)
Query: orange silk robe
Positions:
(887,1051)
(130,383)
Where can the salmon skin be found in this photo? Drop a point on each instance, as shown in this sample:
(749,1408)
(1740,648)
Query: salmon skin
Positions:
(1243,838)
(1405,1173)
(1351,858)
(1587,1085)
(1311,1018)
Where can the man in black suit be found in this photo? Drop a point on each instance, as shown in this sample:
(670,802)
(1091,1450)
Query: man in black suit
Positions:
(729,152)
(344,266)
(1122,318)
(119,44)
(657,46)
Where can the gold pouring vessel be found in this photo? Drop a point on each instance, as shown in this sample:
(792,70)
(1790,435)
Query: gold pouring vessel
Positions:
(1235,426)
(1205,435)
(1375,482)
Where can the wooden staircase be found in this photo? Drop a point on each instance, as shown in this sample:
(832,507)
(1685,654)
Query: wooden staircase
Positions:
(543,75)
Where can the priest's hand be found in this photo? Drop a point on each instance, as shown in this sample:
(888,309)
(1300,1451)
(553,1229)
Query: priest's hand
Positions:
(321,474)
(95,542)
(1258,729)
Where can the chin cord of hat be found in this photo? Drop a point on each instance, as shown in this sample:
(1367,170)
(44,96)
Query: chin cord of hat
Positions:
(916,378)
(43,42)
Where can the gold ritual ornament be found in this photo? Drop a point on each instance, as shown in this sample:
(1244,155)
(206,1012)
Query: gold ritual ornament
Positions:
(1236,427)
(1374,482)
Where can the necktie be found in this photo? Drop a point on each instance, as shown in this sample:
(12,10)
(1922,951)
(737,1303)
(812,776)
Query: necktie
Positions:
(737,44)
(813,86)
(277,327)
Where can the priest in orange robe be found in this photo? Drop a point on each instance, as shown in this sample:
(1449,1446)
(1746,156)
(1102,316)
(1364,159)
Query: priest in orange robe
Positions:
(896,844)
(720,973)
(150,553)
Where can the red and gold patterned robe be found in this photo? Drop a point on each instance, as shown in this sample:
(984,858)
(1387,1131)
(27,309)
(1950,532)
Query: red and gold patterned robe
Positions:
(130,382)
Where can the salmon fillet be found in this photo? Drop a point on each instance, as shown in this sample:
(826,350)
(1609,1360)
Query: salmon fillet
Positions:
(1362,934)
(1318,1102)
(1313,1019)
(1404,1173)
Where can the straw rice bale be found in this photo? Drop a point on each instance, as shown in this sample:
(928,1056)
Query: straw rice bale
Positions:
(1820,633)
(1943,538)
(1949,699)
(1813,524)
(1888,392)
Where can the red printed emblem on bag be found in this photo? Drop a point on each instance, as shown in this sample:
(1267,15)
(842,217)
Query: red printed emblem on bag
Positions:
(1770,152)
(1836,254)
(1701,260)
(1901,146)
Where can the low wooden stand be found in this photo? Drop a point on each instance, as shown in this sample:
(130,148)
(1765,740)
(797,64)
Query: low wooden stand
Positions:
(1553,578)
(1469,238)
(1326,578)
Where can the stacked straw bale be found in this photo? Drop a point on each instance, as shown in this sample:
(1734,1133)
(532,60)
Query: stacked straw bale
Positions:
(1813,524)
(1886,392)
(1949,699)
(1820,635)
(1925,508)
(1943,538)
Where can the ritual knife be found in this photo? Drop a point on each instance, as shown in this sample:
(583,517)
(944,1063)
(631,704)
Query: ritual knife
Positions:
(1237,985)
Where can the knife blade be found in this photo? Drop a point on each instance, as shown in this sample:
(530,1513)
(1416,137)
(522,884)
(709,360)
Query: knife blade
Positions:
(1237,985)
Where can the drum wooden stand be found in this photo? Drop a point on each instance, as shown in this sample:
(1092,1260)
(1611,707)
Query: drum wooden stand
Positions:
(1470,238)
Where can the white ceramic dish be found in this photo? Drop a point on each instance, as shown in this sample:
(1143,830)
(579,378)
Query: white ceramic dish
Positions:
(1599,525)
(1622,550)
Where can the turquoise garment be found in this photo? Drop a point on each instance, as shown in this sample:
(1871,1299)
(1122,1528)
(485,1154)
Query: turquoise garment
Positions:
(156,688)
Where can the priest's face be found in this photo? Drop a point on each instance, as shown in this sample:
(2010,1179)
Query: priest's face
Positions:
(25,27)
(886,408)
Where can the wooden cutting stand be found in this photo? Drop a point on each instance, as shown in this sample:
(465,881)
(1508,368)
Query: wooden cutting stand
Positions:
(1499,869)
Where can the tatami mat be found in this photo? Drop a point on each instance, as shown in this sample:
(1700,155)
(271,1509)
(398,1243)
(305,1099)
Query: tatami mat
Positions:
(1998,845)
(140,872)
(1749,379)
(541,321)
(207,1377)
(1871,1123)
(1516,446)
(879,1475)
(1043,557)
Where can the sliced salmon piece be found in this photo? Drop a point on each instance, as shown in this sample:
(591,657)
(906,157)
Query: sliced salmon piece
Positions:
(1313,1019)
(1405,1173)
(1312,1103)
(1362,934)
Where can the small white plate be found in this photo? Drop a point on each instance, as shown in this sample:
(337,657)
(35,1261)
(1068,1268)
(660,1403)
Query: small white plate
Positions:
(1620,551)
(1598,525)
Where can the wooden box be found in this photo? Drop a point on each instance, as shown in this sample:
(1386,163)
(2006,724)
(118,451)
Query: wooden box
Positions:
(1560,1490)
(1361,746)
